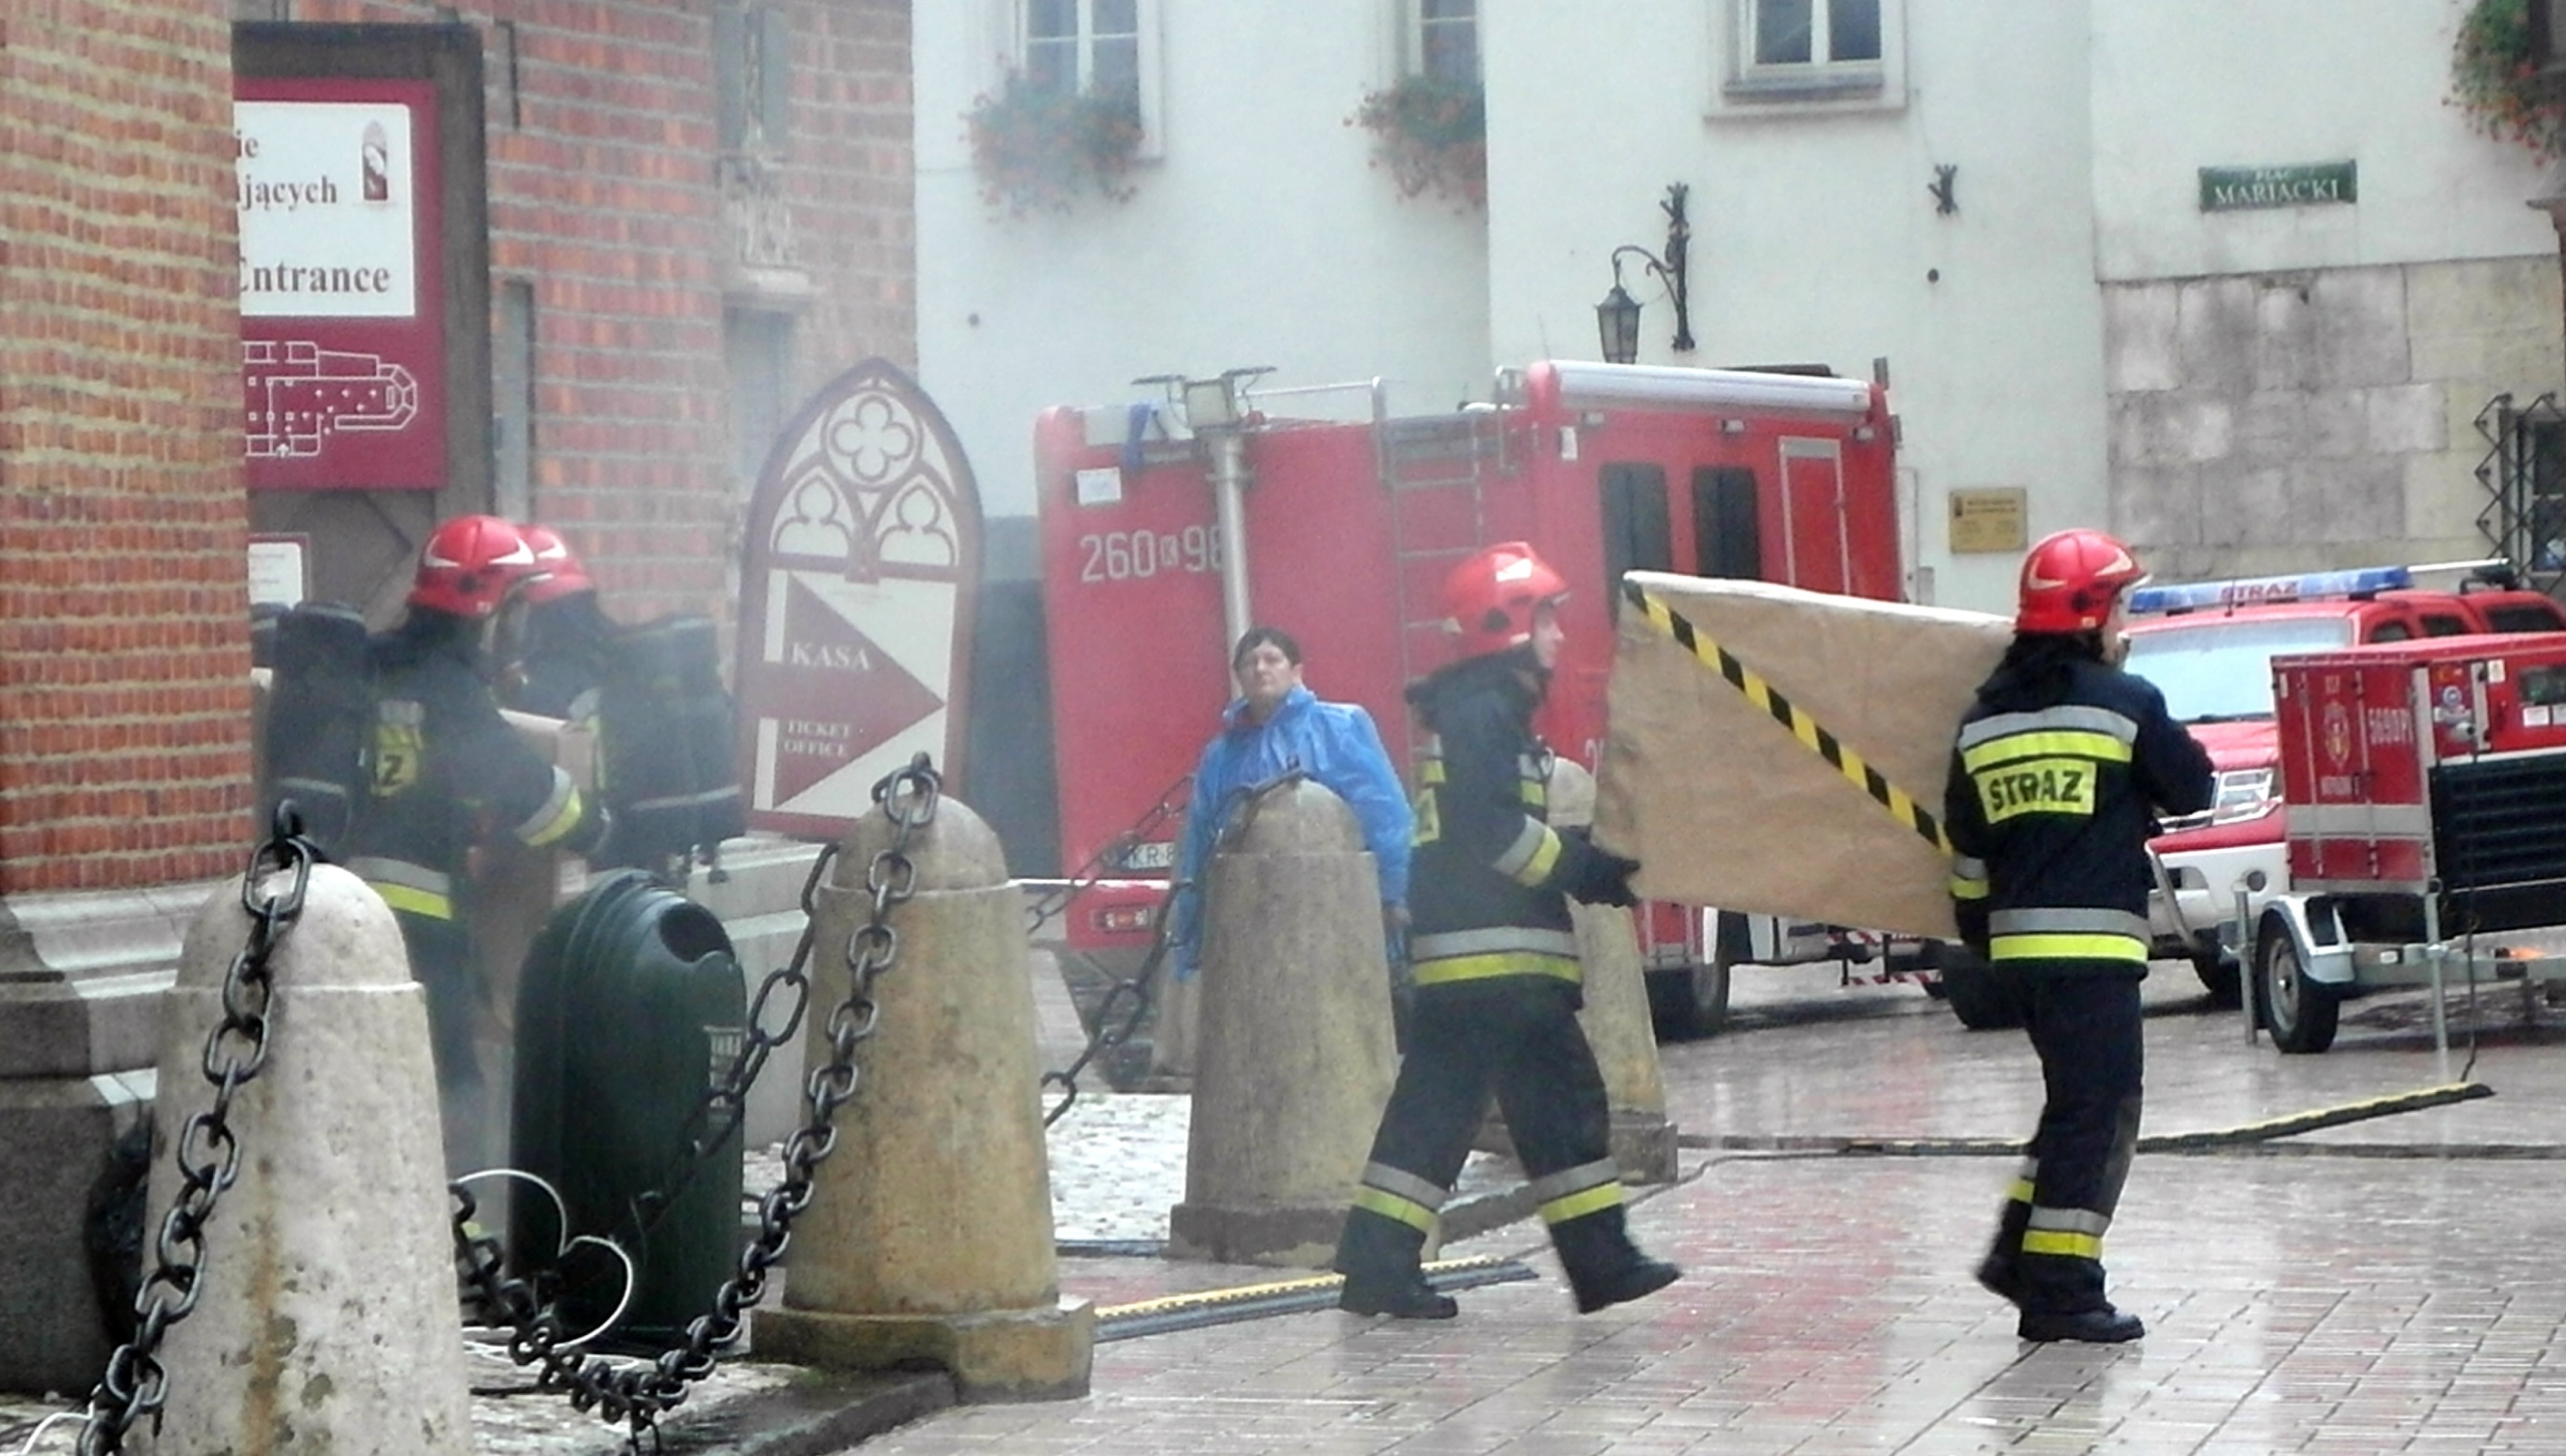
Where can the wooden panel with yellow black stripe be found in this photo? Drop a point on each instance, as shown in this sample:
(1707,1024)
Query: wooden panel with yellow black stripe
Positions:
(1783,752)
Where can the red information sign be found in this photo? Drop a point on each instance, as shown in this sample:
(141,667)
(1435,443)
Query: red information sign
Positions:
(343,338)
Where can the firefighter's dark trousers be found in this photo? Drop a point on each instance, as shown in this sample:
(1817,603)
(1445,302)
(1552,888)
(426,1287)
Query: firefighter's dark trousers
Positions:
(2085,1024)
(1519,1036)
(440,960)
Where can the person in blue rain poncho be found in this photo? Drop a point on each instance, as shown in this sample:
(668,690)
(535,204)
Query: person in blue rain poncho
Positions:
(1276,725)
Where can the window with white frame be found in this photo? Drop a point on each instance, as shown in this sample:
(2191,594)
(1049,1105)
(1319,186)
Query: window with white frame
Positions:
(1445,40)
(1815,50)
(1102,48)
(1075,47)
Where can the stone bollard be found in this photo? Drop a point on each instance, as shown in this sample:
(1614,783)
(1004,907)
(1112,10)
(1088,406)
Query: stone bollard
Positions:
(1616,1017)
(1175,1033)
(327,1319)
(929,1237)
(1295,1059)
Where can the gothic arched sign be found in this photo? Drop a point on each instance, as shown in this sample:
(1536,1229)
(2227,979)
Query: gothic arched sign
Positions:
(863,558)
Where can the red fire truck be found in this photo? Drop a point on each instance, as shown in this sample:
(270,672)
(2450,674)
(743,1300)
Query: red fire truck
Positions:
(1170,525)
(2425,791)
(2208,647)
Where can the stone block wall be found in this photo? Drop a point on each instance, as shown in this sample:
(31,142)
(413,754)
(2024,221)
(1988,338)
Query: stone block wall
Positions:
(2289,421)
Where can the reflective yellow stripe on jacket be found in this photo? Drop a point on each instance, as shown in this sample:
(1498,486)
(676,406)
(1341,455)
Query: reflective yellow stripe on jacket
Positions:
(559,815)
(412,889)
(2067,934)
(1969,879)
(1497,950)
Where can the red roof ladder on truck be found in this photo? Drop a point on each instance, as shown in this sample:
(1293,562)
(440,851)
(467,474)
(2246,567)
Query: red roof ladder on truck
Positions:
(1170,525)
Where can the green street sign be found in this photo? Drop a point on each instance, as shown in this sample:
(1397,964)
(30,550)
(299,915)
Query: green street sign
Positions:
(2234,189)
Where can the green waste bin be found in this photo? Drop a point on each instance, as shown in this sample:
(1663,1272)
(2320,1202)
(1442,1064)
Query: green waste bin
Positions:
(630,1008)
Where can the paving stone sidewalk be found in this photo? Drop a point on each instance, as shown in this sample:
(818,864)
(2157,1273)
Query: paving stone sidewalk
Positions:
(2301,1304)
(2388,1286)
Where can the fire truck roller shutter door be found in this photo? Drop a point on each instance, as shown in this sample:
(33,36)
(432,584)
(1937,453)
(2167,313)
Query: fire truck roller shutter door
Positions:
(1637,535)
(1728,526)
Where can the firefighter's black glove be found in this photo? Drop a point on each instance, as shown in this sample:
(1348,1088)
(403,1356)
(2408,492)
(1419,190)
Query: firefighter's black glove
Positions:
(1610,886)
(1972,916)
(1594,875)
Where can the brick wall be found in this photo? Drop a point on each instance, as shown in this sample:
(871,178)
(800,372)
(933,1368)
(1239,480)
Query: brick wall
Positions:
(603,132)
(123,652)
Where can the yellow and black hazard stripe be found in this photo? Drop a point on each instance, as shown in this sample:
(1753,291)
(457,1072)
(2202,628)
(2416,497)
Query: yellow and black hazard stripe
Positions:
(1812,734)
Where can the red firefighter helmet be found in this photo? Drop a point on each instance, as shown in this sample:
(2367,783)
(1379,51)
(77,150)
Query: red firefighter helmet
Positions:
(557,572)
(468,565)
(1488,600)
(2070,580)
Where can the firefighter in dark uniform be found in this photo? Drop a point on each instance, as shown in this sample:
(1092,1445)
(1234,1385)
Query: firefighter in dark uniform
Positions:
(2057,774)
(651,697)
(442,762)
(562,636)
(1495,968)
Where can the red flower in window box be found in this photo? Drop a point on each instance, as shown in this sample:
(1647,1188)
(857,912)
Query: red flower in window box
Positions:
(1432,136)
(1037,149)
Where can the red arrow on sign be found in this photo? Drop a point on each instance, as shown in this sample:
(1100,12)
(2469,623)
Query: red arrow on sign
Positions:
(834,697)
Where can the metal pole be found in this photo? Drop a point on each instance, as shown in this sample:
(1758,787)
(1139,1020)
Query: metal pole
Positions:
(1228,494)
(2433,948)
(2248,983)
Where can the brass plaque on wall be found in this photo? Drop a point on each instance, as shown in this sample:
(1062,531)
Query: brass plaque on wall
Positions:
(1988,520)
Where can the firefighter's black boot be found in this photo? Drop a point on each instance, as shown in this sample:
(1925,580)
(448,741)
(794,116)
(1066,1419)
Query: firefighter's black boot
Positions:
(1379,1257)
(2105,1325)
(2000,1273)
(2062,1299)
(1415,1300)
(1643,1275)
(1604,1266)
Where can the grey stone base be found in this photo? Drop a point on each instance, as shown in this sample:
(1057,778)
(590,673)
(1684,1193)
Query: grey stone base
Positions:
(55,1138)
(1283,1238)
(1644,1145)
(81,978)
(992,1355)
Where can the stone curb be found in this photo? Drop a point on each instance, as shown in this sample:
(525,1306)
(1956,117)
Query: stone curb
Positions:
(812,1416)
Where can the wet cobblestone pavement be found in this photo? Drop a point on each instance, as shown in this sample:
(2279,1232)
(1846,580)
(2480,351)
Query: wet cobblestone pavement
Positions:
(2389,1285)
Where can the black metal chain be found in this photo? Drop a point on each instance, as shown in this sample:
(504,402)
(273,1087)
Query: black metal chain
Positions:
(208,1154)
(1140,987)
(636,1393)
(1104,862)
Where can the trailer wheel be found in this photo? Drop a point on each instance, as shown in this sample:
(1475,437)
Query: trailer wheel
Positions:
(1984,998)
(1691,1003)
(2220,977)
(2299,1012)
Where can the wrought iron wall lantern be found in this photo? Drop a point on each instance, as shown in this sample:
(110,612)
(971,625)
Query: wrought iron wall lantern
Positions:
(1617,319)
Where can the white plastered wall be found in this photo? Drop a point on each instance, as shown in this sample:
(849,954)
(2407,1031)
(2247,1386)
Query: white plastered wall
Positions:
(1260,235)
(1815,238)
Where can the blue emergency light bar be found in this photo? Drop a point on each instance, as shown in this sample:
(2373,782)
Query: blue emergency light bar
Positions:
(2257,591)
